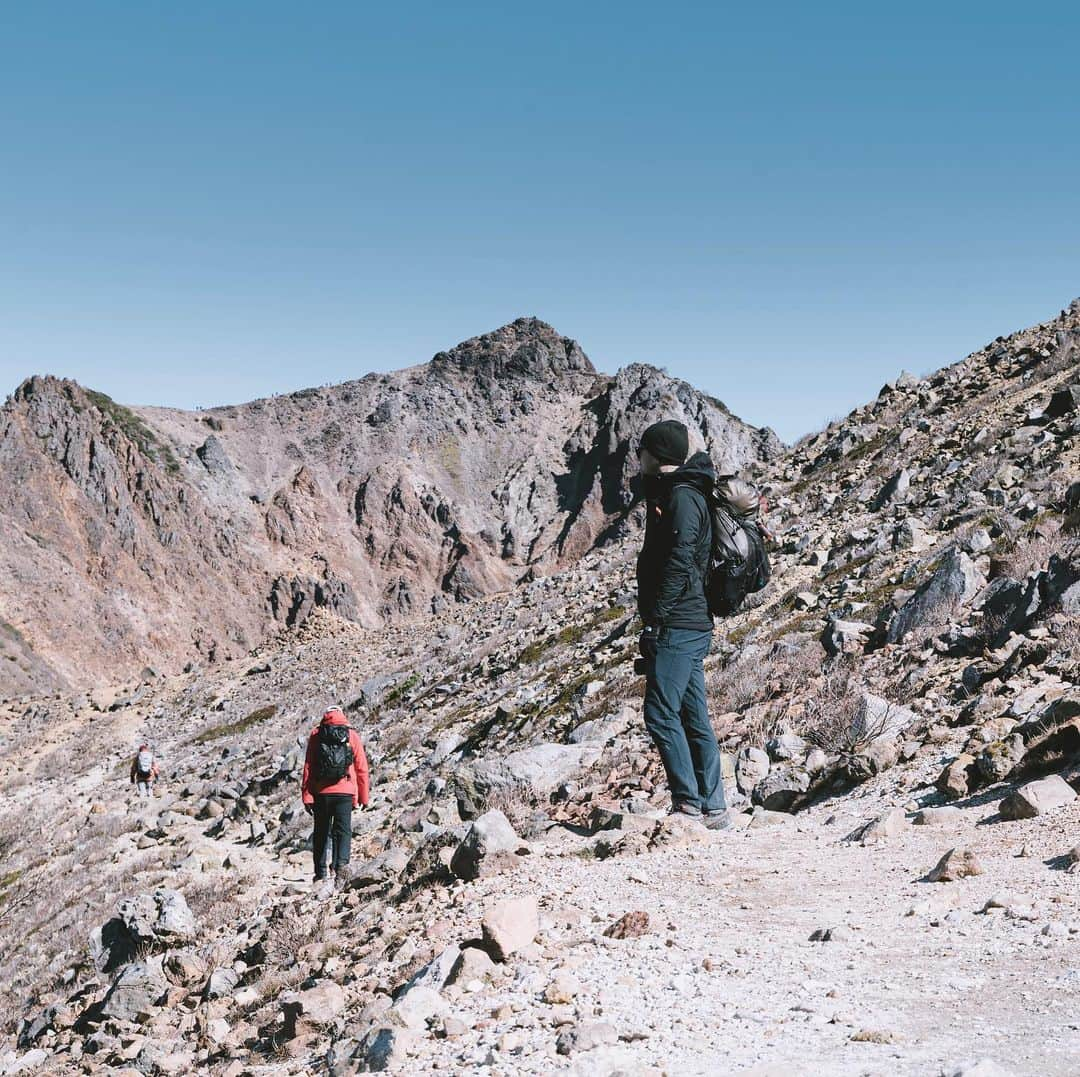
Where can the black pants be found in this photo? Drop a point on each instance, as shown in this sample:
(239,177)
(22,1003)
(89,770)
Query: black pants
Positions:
(333,818)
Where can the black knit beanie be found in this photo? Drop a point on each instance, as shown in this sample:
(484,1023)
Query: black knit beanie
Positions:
(668,441)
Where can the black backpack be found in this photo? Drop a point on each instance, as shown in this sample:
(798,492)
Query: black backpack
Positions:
(738,561)
(333,754)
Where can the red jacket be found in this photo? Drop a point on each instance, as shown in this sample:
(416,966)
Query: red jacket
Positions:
(356,777)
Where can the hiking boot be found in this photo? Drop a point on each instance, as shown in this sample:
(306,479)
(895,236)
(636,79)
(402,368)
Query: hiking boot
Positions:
(686,809)
(719,820)
(341,878)
(324,886)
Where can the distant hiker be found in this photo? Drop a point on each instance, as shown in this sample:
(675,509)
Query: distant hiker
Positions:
(144,771)
(335,782)
(671,575)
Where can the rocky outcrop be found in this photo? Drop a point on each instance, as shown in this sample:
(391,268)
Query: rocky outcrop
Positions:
(192,536)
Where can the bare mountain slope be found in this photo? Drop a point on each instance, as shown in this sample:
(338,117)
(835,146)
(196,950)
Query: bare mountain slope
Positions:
(892,860)
(146,535)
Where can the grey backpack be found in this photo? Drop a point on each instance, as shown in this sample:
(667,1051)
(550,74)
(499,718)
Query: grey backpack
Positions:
(738,561)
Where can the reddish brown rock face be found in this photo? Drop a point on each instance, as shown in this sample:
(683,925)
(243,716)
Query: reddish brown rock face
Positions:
(134,536)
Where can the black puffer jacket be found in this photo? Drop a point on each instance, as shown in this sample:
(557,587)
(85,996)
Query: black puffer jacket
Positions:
(674,559)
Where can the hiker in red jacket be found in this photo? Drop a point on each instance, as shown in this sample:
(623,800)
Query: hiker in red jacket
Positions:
(335,783)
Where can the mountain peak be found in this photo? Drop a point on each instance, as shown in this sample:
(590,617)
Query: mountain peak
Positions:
(526,346)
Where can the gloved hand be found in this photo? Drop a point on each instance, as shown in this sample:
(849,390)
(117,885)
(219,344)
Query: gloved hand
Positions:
(647,643)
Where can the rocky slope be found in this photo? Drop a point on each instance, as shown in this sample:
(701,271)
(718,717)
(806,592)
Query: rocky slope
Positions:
(899,712)
(145,536)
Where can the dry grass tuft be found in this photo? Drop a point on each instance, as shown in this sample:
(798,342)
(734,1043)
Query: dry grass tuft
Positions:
(518,803)
(833,717)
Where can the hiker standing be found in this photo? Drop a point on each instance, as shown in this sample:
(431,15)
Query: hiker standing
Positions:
(671,575)
(144,771)
(335,782)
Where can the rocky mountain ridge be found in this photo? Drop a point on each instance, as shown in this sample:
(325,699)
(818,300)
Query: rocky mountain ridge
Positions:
(149,536)
(898,711)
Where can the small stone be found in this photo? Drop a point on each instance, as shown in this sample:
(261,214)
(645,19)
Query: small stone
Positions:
(563,988)
(472,965)
(489,847)
(510,926)
(585,1037)
(839,933)
(983,1068)
(889,825)
(631,925)
(955,864)
(943,818)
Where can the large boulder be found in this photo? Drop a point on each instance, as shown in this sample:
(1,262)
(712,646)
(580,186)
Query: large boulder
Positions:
(845,637)
(1037,798)
(489,847)
(957,778)
(782,789)
(140,922)
(137,990)
(998,759)
(531,772)
(955,580)
(1010,606)
(751,766)
(877,717)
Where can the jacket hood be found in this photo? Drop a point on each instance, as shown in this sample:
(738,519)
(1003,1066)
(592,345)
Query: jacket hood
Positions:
(699,470)
(334,717)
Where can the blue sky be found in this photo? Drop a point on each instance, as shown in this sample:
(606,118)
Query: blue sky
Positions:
(786,205)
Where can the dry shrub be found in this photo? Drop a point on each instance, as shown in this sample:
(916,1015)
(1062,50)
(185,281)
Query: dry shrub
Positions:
(738,684)
(288,934)
(65,762)
(1023,551)
(756,674)
(1068,640)
(110,825)
(213,898)
(1029,554)
(756,727)
(834,718)
(517,802)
